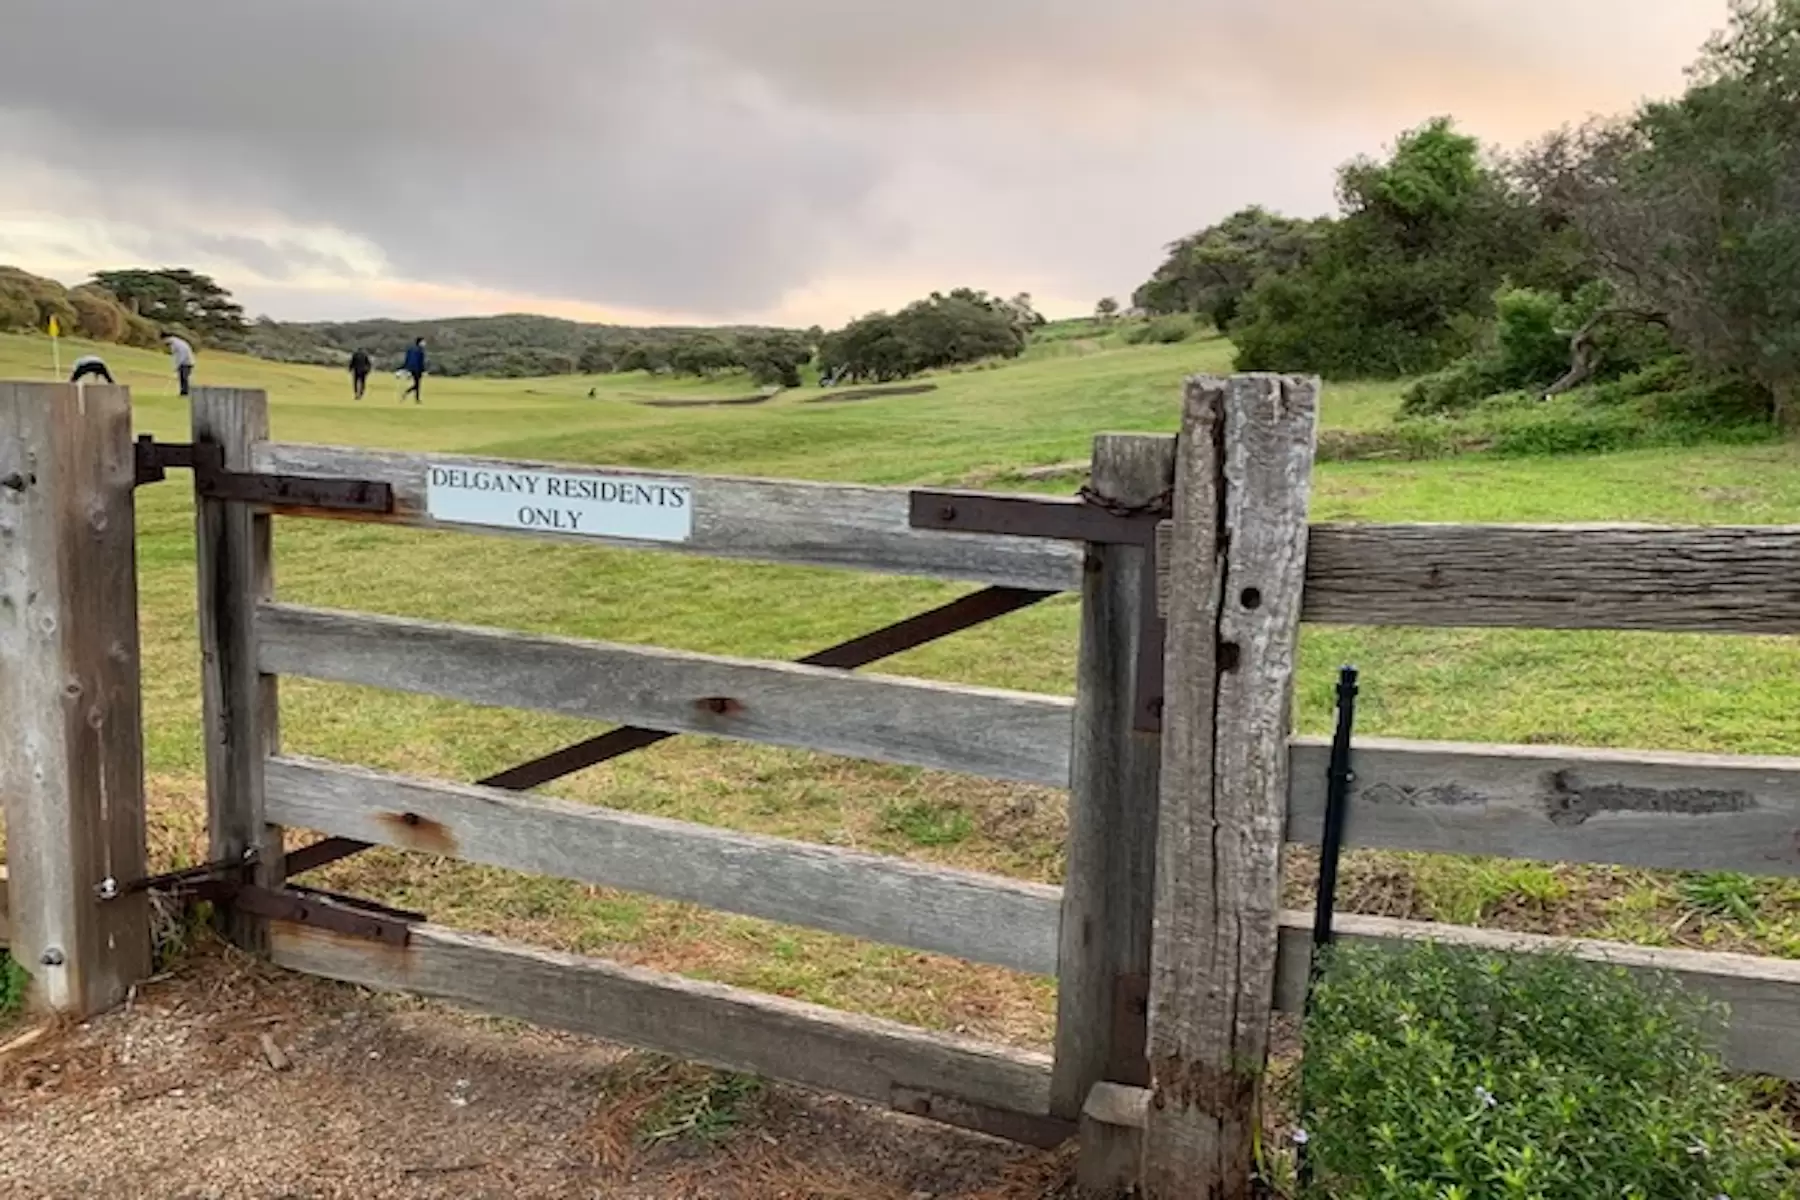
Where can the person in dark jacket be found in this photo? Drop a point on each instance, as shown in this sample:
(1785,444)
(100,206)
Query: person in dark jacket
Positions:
(90,364)
(415,367)
(360,366)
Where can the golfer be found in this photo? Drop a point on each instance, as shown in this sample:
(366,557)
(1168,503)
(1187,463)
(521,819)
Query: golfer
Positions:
(415,368)
(183,356)
(360,366)
(90,364)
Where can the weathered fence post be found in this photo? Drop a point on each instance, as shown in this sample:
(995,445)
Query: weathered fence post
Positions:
(71,731)
(1104,960)
(1236,569)
(236,572)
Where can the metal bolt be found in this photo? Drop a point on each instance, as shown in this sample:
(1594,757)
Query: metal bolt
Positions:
(947,512)
(53,957)
(107,889)
(251,854)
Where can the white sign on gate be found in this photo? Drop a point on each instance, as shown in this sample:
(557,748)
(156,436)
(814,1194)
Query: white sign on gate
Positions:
(603,506)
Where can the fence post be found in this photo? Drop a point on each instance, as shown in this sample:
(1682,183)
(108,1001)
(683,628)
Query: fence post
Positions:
(1104,959)
(71,725)
(1236,569)
(236,572)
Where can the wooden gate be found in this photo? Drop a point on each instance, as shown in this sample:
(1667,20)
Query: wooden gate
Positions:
(1167,940)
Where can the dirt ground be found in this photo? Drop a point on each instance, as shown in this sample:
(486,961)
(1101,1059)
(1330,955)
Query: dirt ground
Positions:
(229,1080)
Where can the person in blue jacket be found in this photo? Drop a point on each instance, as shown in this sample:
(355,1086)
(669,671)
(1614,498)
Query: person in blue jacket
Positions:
(415,367)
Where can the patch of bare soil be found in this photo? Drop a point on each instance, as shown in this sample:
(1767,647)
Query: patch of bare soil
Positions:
(229,1080)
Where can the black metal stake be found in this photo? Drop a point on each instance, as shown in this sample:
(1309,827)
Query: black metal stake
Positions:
(1339,777)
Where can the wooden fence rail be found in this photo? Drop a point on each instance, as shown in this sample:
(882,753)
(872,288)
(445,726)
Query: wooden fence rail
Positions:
(977,731)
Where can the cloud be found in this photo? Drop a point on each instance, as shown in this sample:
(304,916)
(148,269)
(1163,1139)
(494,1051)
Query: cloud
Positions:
(743,157)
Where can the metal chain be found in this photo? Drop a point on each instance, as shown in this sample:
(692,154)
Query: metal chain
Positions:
(1158,505)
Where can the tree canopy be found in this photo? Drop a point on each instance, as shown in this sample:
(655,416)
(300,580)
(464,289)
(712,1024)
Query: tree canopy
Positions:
(1402,281)
(175,297)
(1690,209)
(1210,272)
(942,330)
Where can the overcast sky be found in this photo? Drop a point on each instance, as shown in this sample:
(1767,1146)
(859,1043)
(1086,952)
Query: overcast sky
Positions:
(784,160)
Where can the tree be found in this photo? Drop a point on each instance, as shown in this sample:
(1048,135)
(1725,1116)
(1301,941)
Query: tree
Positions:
(175,296)
(702,354)
(598,357)
(775,359)
(1106,309)
(1404,282)
(1691,208)
(1210,272)
(942,330)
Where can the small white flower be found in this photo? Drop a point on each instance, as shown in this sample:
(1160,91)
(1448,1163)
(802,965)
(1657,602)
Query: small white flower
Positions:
(1698,1149)
(1301,1137)
(1486,1097)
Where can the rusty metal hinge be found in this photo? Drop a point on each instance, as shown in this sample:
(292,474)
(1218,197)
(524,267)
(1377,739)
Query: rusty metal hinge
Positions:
(225,882)
(212,480)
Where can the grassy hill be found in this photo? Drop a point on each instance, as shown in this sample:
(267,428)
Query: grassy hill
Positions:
(986,427)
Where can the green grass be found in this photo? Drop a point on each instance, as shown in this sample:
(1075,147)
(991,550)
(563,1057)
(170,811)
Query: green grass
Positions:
(1643,690)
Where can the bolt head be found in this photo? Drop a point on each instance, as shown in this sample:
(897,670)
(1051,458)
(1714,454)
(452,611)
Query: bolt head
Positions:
(53,957)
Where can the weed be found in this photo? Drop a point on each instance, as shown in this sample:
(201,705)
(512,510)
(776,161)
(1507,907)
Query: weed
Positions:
(1724,894)
(928,822)
(704,1108)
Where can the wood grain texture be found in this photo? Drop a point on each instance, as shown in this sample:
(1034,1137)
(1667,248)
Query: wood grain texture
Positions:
(1716,579)
(863,1057)
(1762,994)
(1238,569)
(977,731)
(1107,894)
(71,739)
(1689,812)
(983,918)
(812,524)
(235,564)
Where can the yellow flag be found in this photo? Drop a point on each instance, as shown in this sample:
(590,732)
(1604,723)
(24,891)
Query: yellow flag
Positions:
(55,329)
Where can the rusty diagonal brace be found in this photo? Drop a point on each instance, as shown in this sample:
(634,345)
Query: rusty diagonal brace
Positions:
(1087,519)
(965,612)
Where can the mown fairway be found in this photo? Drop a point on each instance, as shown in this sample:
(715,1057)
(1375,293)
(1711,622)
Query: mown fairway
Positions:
(980,428)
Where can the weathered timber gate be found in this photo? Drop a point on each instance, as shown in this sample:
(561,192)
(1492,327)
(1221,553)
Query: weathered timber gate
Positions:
(1166,940)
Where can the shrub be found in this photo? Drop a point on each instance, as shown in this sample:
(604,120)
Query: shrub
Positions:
(1164,331)
(98,316)
(12,986)
(1457,388)
(1433,1072)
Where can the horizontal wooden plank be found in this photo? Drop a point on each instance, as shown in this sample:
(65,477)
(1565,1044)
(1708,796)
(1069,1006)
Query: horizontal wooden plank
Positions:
(983,918)
(995,1088)
(1762,994)
(1699,812)
(977,731)
(812,524)
(1720,579)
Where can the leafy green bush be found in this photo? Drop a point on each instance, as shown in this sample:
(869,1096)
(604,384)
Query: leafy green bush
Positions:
(1164,331)
(12,986)
(1434,1073)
